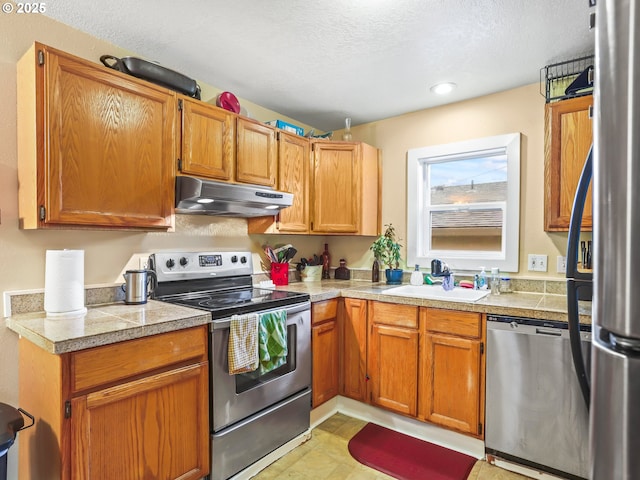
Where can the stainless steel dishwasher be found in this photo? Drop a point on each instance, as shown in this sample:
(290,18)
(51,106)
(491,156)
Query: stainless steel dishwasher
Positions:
(535,413)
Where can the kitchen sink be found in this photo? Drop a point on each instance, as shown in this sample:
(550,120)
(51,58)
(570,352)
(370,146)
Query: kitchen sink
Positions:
(436,292)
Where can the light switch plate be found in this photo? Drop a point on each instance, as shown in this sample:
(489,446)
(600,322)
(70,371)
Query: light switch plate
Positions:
(537,263)
(561,265)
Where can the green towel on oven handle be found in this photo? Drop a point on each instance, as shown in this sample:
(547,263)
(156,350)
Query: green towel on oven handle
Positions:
(272,340)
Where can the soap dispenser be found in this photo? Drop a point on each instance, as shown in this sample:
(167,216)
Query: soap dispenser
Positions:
(416,276)
(482,279)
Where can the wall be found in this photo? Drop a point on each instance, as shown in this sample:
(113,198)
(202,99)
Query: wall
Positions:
(109,254)
(518,110)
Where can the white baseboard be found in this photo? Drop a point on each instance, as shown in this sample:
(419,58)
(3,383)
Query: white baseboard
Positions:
(414,428)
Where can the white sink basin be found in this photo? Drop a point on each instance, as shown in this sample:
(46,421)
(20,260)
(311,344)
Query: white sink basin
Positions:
(436,292)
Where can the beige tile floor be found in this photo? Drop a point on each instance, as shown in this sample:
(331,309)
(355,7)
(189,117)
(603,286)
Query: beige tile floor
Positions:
(326,457)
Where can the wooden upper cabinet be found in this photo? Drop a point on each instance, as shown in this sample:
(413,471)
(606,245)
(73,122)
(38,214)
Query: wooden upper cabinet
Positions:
(208,140)
(568,137)
(256,154)
(338,193)
(96,148)
(293,177)
(346,188)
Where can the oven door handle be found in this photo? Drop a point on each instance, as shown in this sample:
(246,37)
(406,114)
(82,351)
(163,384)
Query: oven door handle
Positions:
(291,310)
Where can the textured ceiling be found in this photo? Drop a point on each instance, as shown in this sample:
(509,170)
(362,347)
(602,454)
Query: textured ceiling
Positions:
(321,61)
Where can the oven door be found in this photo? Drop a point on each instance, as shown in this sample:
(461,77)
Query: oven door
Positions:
(235,397)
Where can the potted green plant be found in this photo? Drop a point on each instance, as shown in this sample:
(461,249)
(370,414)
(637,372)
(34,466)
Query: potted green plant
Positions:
(386,250)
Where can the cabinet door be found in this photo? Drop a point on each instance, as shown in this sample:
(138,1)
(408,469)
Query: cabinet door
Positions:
(208,140)
(568,137)
(452,395)
(109,143)
(353,348)
(393,368)
(325,342)
(256,153)
(155,427)
(293,177)
(336,181)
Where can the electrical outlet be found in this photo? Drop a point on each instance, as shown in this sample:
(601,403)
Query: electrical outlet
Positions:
(537,263)
(561,264)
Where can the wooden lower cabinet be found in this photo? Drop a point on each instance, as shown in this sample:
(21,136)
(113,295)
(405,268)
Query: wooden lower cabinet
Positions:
(353,348)
(134,409)
(393,353)
(452,386)
(426,363)
(324,345)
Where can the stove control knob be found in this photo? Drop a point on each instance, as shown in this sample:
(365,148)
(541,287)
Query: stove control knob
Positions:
(243,259)
(184,261)
(234,259)
(171,263)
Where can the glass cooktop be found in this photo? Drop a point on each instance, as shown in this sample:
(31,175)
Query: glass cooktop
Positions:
(237,302)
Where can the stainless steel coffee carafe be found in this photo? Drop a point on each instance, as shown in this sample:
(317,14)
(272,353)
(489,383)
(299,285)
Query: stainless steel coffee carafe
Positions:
(139,285)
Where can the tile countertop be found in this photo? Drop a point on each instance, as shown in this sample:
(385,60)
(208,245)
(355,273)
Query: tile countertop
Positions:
(103,324)
(520,304)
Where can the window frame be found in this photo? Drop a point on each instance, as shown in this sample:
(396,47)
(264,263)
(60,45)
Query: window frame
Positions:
(418,159)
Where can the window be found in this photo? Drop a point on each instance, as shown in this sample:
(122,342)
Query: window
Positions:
(463,203)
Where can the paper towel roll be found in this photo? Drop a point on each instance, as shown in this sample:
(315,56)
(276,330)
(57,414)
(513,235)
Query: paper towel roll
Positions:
(64,282)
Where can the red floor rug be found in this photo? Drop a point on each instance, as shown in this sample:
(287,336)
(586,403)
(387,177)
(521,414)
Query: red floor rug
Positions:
(407,458)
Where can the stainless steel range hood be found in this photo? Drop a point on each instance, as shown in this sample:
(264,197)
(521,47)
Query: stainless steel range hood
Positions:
(205,197)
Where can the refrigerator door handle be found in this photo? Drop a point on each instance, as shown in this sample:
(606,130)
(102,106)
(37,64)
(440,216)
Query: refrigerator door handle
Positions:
(579,284)
(575,340)
(573,241)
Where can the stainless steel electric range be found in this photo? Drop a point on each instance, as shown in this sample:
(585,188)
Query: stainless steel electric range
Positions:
(251,414)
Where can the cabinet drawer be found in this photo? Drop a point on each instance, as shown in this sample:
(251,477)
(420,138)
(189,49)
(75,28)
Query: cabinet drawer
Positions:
(451,322)
(111,363)
(322,311)
(394,314)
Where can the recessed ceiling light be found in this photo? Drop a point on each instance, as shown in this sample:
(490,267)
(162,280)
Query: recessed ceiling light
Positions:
(205,200)
(443,88)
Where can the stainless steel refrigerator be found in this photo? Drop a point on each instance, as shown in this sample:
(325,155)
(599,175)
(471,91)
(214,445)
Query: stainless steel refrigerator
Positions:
(612,386)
